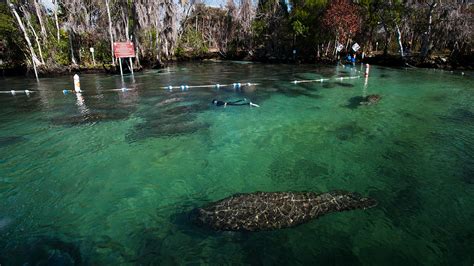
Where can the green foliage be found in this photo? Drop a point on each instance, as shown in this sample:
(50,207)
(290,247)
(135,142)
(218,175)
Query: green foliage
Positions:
(192,43)
(276,28)
(10,38)
(102,51)
(61,55)
(299,28)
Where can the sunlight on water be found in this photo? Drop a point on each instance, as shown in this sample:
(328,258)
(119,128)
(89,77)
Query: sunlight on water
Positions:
(110,177)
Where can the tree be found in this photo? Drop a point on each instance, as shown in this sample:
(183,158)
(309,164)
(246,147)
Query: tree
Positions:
(343,19)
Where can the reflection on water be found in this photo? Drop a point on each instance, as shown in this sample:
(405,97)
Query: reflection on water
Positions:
(108,176)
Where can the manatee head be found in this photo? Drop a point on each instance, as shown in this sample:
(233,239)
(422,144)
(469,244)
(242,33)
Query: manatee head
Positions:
(198,216)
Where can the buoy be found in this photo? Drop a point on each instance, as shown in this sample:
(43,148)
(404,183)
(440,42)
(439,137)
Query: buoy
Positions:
(367,70)
(218,85)
(77,83)
(170,87)
(27,91)
(13,92)
(182,87)
(249,84)
(65,92)
(124,89)
(186,86)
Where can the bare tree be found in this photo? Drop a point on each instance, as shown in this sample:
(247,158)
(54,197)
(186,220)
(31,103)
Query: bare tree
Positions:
(34,59)
(110,31)
(55,11)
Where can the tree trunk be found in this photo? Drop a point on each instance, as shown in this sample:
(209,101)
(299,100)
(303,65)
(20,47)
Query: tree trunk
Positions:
(400,43)
(73,58)
(386,41)
(110,32)
(27,38)
(40,20)
(327,48)
(425,47)
(37,42)
(56,6)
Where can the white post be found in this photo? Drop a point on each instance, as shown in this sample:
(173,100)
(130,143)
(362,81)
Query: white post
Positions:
(92,52)
(120,63)
(77,84)
(131,65)
(367,66)
(366,84)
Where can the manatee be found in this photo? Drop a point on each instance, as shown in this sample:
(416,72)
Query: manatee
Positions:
(264,211)
(371,99)
(10,140)
(4,223)
(169,101)
(357,101)
(42,251)
(89,118)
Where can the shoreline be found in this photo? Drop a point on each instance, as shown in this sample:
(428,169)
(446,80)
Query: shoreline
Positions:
(434,62)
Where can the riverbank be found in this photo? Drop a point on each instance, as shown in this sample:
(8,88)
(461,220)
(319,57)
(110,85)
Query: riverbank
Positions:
(435,62)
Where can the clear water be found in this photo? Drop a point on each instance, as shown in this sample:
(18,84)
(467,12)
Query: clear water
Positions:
(109,178)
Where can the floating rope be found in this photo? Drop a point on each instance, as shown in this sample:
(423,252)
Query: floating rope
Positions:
(235,85)
(14,92)
(309,80)
(323,80)
(186,87)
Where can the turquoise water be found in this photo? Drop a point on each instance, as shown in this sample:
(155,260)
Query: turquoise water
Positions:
(109,178)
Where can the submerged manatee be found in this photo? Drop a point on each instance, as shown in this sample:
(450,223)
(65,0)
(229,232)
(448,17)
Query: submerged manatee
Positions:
(10,140)
(357,101)
(274,210)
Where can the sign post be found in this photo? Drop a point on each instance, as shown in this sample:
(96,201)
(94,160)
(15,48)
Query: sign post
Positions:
(92,52)
(124,50)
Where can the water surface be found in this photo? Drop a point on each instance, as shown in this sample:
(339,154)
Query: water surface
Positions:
(108,177)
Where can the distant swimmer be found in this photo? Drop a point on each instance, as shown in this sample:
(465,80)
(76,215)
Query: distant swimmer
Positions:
(235,103)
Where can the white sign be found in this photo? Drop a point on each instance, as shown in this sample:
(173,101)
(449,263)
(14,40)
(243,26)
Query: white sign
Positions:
(339,47)
(355,47)
(91,49)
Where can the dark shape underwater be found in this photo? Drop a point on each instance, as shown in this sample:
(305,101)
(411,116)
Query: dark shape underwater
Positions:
(45,251)
(357,101)
(10,140)
(263,211)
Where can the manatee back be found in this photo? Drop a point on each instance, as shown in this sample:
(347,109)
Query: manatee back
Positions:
(256,211)
(274,210)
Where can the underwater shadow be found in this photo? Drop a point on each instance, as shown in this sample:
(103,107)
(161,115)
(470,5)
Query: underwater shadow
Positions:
(43,251)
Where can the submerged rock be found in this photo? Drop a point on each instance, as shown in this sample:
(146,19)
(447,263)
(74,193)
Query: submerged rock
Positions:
(275,210)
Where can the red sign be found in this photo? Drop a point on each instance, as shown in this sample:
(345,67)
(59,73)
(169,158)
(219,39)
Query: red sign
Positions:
(124,49)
